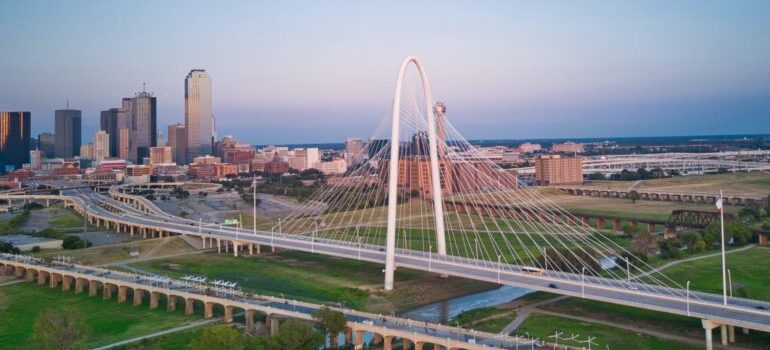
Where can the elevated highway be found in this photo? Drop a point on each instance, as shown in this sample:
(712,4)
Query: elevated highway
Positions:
(745,313)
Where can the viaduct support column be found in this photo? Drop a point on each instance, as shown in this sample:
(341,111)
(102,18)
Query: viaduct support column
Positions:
(138,297)
(250,321)
(228,314)
(274,323)
(387,343)
(708,326)
(79,285)
(170,303)
(208,310)
(92,288)
(122,294)
(189,305)
(154,297)
(358,342)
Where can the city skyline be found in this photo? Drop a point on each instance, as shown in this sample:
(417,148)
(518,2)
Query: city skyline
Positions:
(594,70)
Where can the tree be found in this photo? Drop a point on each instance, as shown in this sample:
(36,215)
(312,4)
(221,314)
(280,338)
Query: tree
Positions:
(689,239)
(596,176)
(75,242)
(740,232)
(60,329)
(712,235)
(633,196)
(298,335)
(669,249)
(330,323)
(700,246)
(644,242)
(219,337)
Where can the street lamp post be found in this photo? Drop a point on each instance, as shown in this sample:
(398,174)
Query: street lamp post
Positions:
(730,282)
(628,271)
(254,211)
(430,256)
(499,267)
(688,298)
(583,282)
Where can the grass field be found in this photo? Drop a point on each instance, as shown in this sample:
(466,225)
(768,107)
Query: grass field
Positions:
(117,252)
(543,326)
(109,321)
(321,279)
(642,210)
(647,319)
(176,340)
(706,274)
(753,182)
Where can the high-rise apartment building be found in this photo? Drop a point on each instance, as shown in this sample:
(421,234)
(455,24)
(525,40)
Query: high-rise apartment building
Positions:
(198,119)
(160,155)
(177,140)
(101,145)
(68,132)
(557,170)
(15,138)
(47,144)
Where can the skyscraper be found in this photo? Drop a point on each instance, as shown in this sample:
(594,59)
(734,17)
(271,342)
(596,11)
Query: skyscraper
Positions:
(177,140)
(111,122)
(67,135)
(197,114)
(14,139)
(143,125)
(101,145)
(47,143)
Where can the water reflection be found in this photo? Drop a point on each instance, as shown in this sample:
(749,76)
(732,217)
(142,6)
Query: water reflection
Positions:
(444,310)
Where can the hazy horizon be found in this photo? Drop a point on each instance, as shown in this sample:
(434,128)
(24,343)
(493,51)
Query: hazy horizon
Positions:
(317,72)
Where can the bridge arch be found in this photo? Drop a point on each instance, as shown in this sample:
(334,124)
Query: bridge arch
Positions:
(390,243)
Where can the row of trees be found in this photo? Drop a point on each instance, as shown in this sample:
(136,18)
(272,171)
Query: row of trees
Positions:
(631,175)
(294,335)
(644,244)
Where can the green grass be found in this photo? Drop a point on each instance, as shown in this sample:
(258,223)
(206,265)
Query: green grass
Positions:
(176,340)
(647,319)
(109,321)
(706,274)
(542,326)
(66,220)
(320,280)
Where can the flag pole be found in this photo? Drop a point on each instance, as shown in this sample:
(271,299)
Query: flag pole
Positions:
(720,205)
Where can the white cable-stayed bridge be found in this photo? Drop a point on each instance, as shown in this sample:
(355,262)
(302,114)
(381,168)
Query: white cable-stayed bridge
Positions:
(391,208)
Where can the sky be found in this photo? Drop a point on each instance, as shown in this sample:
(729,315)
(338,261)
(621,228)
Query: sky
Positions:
(321,71)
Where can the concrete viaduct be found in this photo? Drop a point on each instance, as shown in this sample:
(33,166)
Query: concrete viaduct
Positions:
(657,195)
(123,287)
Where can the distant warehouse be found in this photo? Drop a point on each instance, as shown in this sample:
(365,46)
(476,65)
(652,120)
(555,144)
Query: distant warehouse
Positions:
(557,170)
(26,242)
